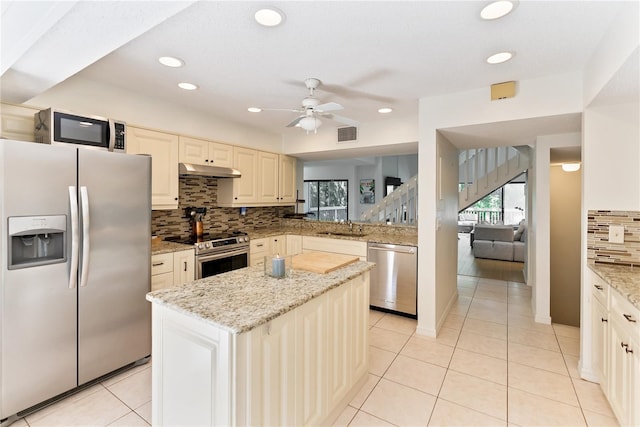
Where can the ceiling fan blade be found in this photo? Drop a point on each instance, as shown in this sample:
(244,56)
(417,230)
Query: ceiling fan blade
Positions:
(341,119)
(296,121)
(329,106)
(282,109)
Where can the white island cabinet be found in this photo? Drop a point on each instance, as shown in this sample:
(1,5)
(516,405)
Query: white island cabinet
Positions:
(244,349)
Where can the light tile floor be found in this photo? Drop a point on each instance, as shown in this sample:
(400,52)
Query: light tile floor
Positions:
(490,365)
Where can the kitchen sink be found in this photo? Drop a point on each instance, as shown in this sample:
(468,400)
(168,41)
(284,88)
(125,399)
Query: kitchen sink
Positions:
(337,233)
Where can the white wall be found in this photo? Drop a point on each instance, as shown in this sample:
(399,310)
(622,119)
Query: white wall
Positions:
(548,96)
(610,149)
(88,97)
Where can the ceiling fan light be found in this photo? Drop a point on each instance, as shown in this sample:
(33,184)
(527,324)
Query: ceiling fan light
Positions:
(310,123)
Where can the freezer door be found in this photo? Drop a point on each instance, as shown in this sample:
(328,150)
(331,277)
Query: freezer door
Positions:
(38,309)
(114,318)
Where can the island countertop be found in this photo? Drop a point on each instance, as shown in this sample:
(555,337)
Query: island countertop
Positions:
(243,299)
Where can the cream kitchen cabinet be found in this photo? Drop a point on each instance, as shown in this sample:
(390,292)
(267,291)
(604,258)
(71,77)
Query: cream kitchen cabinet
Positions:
(163,149)
(243,191)
(293,244)
(278,245)
(202,152)
(286,179)
(624,360)
(268,179)
(600,328)
(335,246)
(284,371)
(258,249)
(173,268)
(17,122)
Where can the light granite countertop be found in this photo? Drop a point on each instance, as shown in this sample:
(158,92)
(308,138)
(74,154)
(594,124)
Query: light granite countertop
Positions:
(243,299)
(395,239)
(624,279)
(159,247)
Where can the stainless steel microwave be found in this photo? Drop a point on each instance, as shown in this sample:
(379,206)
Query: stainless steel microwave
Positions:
(60,127)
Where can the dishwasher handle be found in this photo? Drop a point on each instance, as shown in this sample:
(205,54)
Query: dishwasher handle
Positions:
(391,248)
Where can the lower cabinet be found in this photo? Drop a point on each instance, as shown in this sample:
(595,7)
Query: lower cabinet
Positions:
(338,246)
(301,368)
(173,268)
(267,246)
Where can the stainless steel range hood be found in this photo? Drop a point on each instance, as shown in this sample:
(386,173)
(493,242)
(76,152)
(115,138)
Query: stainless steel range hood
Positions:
(188,169)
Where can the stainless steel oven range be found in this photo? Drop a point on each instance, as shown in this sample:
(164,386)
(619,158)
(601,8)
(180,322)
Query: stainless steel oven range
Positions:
(219,253)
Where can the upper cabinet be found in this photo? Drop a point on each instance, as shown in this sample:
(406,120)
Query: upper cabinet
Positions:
(202,152)
(163,149)
(268,179)
(16,123)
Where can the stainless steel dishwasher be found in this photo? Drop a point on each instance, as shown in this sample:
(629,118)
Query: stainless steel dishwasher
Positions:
(395,278)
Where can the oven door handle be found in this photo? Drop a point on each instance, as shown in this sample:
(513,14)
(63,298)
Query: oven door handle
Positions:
(221,255)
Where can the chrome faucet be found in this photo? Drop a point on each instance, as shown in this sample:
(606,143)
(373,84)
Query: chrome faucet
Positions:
(350,225)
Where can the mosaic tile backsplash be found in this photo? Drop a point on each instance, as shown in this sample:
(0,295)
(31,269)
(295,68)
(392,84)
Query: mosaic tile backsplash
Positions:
(598,247)
(197,191)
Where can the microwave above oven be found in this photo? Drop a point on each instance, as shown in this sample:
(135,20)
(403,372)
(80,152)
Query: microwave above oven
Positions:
(60,127)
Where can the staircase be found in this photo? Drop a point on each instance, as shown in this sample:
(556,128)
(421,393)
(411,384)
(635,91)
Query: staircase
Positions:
(399,207)
(484,170)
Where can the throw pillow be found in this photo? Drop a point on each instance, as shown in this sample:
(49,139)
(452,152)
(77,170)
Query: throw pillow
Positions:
(521,228)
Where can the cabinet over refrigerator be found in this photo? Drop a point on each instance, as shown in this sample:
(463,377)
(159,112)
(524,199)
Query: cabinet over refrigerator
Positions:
(75,268)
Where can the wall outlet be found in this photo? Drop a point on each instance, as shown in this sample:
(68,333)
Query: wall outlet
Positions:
(616,234)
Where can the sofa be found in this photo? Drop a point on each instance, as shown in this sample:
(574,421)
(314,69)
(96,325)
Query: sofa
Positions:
(500,242)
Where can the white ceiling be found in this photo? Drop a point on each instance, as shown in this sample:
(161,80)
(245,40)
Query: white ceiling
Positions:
(367,54)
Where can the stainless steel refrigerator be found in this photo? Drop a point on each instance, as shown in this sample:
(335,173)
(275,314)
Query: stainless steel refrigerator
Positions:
(75,250)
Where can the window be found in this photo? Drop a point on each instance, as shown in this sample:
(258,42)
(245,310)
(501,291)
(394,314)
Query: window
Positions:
(327,200)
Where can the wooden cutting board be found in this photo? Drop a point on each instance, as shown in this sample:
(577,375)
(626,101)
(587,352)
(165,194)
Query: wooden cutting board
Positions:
(321,262)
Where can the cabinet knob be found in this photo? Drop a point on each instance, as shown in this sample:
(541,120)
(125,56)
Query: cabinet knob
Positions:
(207,160)
(157,264)
(185,266)
(603,320)
(598,287)
(628,351)
(175,198)
(629,318)
(623,345)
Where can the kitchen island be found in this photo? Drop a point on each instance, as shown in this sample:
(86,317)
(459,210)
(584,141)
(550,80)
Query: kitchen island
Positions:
(241,348)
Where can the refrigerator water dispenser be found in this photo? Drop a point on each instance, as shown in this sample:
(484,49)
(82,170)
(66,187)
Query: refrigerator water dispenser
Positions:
(36,240)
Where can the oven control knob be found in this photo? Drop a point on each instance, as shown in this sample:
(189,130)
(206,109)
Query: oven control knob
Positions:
(207,245)
(200,245)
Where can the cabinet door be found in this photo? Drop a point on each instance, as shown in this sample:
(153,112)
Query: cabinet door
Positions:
(294,245)
(600,321)
(360,326)
(258,249)
(339,344)
(162,281)
(273,385)
(268,182)
(618,370)
(193,151)
(163,149)
(17,123)
(183,267)
(220,155)
(277,245)
(245,188)
(311,362)
(287,179)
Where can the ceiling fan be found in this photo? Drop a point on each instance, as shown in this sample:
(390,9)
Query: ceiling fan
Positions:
(312,110)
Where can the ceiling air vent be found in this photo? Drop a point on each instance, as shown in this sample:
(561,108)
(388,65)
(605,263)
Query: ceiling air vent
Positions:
(348,134)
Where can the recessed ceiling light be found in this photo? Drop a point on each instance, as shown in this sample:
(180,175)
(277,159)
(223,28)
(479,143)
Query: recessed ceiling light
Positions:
(254,109)
(170,61)
(269,17)
(187,86)
(499,58)
(571,167)
(385,110)
(496,9)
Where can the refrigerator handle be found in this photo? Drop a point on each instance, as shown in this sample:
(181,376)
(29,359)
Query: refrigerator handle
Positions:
(86,247)
(73,206)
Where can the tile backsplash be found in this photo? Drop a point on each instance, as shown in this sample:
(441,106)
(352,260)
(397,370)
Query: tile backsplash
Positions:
(197,191)
(598,247)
